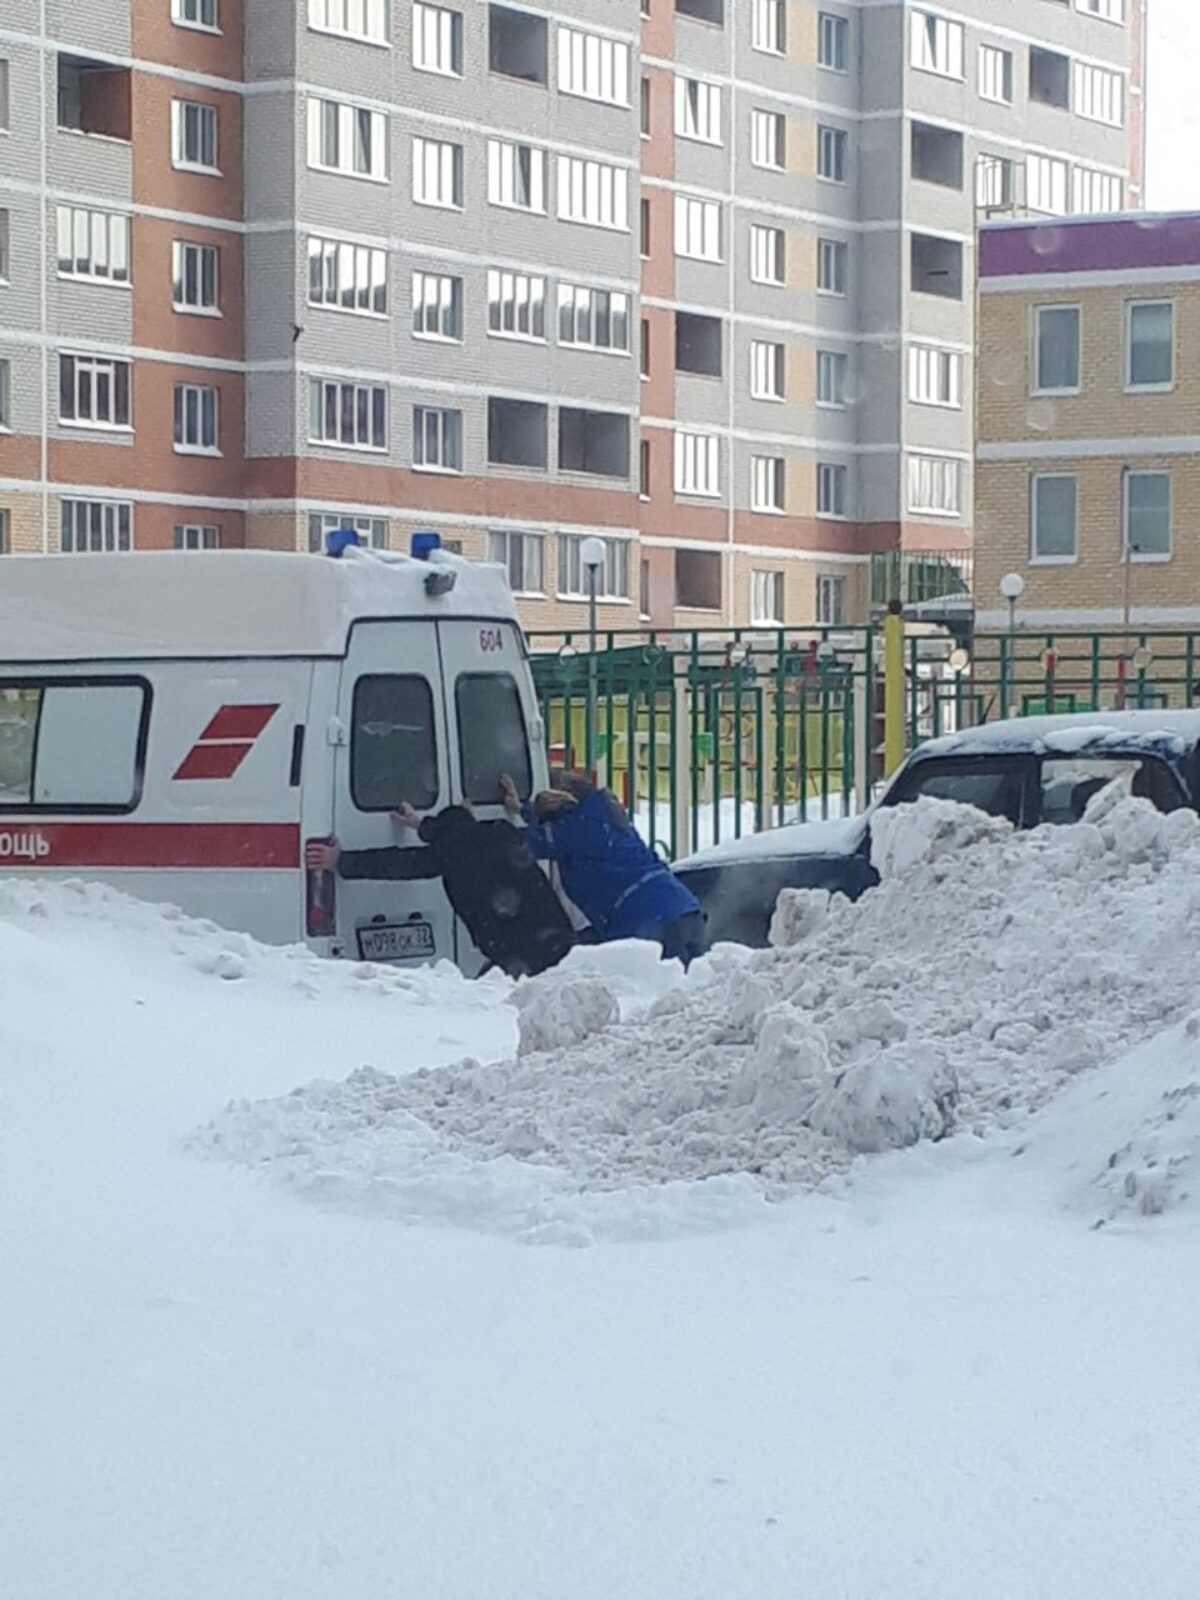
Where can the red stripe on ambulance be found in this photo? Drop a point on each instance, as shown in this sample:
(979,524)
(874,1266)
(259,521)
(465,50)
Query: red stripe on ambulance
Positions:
(225,743)
(150,845)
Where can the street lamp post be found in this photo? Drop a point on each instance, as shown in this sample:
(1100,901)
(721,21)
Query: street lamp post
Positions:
(592,554)
(1012,587)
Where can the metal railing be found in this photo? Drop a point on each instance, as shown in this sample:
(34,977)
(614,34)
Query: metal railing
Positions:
(921,577)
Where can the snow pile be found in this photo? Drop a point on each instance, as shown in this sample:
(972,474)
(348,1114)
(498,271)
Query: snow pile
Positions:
(987,969)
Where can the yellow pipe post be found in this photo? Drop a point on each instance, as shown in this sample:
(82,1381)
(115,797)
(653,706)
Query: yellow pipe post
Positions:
(893,688)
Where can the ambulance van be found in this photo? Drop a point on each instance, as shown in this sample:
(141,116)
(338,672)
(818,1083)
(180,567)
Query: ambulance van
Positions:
(180,726)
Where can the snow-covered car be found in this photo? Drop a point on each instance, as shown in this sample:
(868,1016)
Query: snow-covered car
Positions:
(1031,770)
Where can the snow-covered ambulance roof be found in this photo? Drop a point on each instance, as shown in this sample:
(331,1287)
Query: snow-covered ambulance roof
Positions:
(227,603)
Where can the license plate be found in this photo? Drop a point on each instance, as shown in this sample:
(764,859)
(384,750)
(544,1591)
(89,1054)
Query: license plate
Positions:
(401,941)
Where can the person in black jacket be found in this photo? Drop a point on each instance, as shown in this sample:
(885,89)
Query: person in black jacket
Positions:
(495,887)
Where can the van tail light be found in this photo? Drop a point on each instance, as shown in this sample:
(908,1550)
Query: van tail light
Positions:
(320,900)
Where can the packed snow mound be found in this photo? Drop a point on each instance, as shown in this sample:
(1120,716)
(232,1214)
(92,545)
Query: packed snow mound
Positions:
(987,969)
(596,985)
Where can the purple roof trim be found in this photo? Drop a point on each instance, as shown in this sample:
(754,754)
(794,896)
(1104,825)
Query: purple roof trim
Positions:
(1108,244)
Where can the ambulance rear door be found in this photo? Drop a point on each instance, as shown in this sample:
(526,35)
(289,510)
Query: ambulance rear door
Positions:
(393,748)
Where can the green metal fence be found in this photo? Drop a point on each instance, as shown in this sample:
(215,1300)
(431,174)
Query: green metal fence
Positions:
(710,736)
(713,735)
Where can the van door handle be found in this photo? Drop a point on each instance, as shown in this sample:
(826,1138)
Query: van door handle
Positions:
(335,732)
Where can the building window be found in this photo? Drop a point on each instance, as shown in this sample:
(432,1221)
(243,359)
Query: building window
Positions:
(595,442)
(831,266)
(1107,10)
(347,139)
(1096,192)
(594,193)
(518,45)
(4,101)
(518,433)
(766,599)
(595,318)
(5,531)
(357,19)
(91,244)
(437,306)
(1151,345)
(644,228)
(698,464)
(195,14)
(1054,516)
(832,147)
(197,536)
(995,74)
(833,42)
(593,67)
(195,277)
(833,370)
(831,602)
(994,189)
(516,304)
(523,557)
(766,483)
(1147,516)
(612,577)
(710,11)
(93,391)
(1097,94)
(371,530)
(768,140)
(935,485)
(352,415)
(645,468)
(698,580)
(832,489)
(937,266)
(5,395)
(94,527)
(1049,78)
(934,376)
(436,439)
(766,370)
(194,135)
(698,110)
(1046,185)
(768,255)
(644,348)
(1056,350)
(516,176)
(768,26)
(699,342)
(196,420)
(645,108)
(697,228)
(437,35)
(937,44)
(347,277)
(437,173)
(937,155)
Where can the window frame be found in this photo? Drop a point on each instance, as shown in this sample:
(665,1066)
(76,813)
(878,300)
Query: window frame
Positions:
(454,310)
(91,680)
(455,70)
(775,365)
(577,63)
(836,251)
(528,540)
(1158,387)
(768,472)
(180,402)
(315,380)
(532,304)
(116,507)
(778,237)
(1036,479)
(120,220)
(1146,557)
(574,178)
(688,441)
(944,464)
(524,778)
(608,592)
(425,803)
(776,584)
(420,166)
(317,104)
(839,31)
(830,584)
(96,364)
(447,430)
(195,24)
(331,30)
(181,530)
(768,21)
(595,315)
(207,113)
(833,151)
(768,155)
(324,249)
(179,254)
(1007,74)
(832,486)
(837,364)
(1039,313)
(687,208)
(699,116)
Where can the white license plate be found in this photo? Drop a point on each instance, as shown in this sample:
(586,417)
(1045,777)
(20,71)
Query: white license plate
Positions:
(401,941)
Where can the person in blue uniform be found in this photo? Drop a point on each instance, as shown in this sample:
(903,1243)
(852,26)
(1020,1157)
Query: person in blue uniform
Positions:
(607,870)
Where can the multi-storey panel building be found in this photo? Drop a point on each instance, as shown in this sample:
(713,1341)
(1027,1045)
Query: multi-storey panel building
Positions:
(694,277)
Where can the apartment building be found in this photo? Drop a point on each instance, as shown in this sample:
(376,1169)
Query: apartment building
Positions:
(1088,470)
(694,277)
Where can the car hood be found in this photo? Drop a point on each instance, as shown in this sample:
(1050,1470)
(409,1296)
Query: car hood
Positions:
(840,837)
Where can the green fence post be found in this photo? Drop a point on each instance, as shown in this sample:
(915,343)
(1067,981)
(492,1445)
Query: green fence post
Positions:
(780,728)
(695,722)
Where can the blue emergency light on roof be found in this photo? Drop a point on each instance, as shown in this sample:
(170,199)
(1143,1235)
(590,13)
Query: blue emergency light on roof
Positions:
(424,544)
(340,540)
(441,579)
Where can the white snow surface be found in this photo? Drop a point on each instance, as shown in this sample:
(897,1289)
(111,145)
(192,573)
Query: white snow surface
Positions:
(987,969)
(966,1368)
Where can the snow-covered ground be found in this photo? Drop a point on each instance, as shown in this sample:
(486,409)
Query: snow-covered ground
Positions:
(318,1371)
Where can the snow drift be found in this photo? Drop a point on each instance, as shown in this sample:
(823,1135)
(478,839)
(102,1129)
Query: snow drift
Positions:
(988,969)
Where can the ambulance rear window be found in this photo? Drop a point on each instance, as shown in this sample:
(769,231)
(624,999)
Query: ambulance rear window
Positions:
(393,747)
(492,738)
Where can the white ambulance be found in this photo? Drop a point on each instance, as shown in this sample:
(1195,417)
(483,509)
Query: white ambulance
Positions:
(180,726)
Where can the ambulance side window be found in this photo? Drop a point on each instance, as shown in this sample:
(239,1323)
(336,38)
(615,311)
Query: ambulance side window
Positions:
(393,748)
(492,737)
(73,745)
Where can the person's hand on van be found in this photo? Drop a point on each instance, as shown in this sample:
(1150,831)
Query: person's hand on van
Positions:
(322,855)
(509,797)
(406,816)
